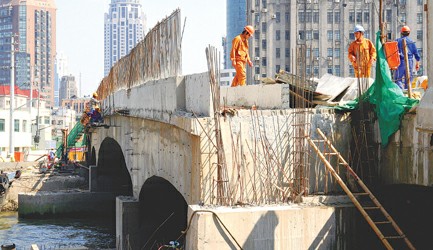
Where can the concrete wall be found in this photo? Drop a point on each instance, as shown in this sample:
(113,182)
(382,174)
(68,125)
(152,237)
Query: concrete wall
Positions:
(259,148)
(155,148)
(272,96)
(61,203)
(408,158)
(127,224)
(285,227)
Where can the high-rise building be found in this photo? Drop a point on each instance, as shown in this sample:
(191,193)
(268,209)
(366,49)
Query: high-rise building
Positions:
(68,88)
(31,25)
(125,23)
(236,21)
(310,37)
(61,69)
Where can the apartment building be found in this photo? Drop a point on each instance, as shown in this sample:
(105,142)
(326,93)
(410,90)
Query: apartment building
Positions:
(310,37)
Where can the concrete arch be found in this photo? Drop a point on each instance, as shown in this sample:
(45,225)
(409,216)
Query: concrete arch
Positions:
(112,173)
(162,213)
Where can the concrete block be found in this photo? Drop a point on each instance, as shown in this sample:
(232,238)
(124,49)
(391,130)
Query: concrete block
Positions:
(198,94)
(127,224)
(263,96)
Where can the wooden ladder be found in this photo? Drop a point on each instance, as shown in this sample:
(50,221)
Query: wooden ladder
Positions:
(398,233)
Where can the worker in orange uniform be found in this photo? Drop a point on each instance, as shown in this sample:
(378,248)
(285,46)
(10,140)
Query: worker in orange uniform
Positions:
(239,55)
(362,53)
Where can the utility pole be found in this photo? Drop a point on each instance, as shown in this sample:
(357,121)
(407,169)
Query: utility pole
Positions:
(12,99)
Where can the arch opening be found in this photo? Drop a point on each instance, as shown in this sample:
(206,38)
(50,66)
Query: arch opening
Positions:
(112,173)
(163,213)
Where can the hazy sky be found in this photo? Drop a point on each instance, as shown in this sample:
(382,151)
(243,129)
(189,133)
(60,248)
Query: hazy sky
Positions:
(80,33)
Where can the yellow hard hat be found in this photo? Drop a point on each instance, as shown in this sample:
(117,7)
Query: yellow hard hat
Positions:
(249,29)
(95,94)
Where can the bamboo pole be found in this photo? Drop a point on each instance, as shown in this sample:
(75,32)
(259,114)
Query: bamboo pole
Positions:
(407,73)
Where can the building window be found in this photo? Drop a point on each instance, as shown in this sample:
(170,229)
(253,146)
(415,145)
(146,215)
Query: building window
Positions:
(419,18)
(337,53)
(16,125)
(264,61)
(366,16)
(337,35)
(337,17)
(309,35)
(420,2)
(419,34)
(287,54)
(2,125)
(403,17)
(329,34)
(337,70)
(287,17)
(316,17)
(308,17)
(316,52)
(329,69)
(47,120)
(388,16)
(277,53)
(351,70)
(287,35)
(301,17)
(316,70)
(277,35)
(329,17)
(352,17)
(330,52)
(316,35)
(264,27)
(359,17)
(256,51)
(24,126)
(257,70)
(351,36)
(277,68)
(301,35)
(264,44)
(257,34)
(277,17)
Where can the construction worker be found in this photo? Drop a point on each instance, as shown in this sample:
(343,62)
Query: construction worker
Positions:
(400,73)
(239,55)
(94,103)
(362,53)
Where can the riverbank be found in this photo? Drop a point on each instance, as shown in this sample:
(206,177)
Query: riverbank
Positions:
(33,181)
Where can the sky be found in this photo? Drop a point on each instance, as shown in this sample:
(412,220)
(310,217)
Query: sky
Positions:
(80,34)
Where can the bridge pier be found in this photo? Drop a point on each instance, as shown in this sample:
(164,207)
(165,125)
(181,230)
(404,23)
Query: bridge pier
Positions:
(127,224)
(93,183)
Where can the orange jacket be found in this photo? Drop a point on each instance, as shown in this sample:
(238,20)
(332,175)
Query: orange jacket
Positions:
(362,51)
(239,49)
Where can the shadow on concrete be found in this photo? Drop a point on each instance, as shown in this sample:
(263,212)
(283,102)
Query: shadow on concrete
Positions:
(163,213)
(411,207)
(264,230)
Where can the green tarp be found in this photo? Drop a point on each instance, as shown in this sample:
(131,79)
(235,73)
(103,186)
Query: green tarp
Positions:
(387,98)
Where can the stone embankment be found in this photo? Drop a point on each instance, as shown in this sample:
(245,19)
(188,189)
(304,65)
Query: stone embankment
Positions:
(33,181)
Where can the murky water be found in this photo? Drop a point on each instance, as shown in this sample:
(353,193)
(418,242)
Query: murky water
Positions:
(57,233)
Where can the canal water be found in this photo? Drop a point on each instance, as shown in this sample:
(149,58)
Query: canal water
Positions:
(57,233)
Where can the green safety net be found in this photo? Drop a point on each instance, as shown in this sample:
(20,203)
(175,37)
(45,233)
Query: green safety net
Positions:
(73,137)
(388,99)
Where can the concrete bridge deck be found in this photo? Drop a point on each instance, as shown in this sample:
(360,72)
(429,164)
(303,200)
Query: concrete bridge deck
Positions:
(160,150)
